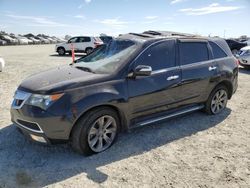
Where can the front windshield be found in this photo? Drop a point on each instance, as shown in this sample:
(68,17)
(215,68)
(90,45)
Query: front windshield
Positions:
(107,58)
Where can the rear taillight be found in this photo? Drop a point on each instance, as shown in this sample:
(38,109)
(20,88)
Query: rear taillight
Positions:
(98,44)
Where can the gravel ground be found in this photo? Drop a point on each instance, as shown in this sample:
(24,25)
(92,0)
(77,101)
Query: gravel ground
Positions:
(196,150)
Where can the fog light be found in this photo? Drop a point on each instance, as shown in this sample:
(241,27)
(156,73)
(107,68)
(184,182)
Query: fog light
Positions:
(38,138)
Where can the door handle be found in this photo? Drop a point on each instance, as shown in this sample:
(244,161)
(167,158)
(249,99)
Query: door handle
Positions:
(212,68)
(172,77)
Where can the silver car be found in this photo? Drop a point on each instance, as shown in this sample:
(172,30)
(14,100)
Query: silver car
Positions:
(244,57)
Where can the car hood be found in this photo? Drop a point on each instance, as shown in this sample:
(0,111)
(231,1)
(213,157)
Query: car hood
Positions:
(59,79)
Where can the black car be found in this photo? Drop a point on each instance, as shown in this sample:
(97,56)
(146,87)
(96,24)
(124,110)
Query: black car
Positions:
(106,39)
(235,46)
(136,80)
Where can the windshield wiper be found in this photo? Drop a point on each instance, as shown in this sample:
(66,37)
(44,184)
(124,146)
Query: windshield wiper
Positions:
(86,69)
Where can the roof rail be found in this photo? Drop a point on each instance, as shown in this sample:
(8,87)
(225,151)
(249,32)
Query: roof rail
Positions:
(150,32)
(140,35)
(167,33)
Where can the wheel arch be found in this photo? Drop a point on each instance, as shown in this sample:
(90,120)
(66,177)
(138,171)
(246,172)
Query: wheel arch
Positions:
(228,85)
(121,116)
(60,47)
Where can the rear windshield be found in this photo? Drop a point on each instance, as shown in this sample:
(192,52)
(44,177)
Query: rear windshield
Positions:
(107,58)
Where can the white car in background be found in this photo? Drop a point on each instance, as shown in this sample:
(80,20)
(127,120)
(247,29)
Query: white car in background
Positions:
(44,40)
(9,39)
(244,57)
(23,40)
(2,64)
(82,44)
(35,41)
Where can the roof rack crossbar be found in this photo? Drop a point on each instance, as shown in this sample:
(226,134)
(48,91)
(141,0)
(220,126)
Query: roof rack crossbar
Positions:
(152,32)
(140,35)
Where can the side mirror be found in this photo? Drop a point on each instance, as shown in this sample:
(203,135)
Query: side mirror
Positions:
(142,70)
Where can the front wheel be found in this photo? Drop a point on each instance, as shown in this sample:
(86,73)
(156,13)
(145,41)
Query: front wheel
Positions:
(61,51)
(217,100)
(95,132)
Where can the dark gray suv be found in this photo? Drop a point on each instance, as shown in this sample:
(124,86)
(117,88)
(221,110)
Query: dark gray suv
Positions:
(135,80)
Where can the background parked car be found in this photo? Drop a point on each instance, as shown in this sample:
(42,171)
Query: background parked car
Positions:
(3,42)
(43,40)
(35,41)
(235,46)
(82,44)
(8,39)
(15,39)
(244,57)
(2,63)
(23,40)
(246,41)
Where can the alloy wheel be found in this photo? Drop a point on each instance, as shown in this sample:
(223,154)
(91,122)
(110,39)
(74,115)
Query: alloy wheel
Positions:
(102,133)
(219,101)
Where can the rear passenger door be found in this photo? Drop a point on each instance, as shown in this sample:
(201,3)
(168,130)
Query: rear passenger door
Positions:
(151,94)
(198,70)
(82,43)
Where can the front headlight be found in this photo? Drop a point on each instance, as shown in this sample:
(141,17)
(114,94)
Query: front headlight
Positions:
(43,101)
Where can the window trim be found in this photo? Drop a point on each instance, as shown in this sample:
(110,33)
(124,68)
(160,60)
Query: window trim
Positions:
(209,52)
(212,51)
(132,64)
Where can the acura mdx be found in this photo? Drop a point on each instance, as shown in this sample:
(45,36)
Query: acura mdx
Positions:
(135,80)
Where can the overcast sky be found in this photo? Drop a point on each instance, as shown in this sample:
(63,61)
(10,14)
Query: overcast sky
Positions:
(92,17)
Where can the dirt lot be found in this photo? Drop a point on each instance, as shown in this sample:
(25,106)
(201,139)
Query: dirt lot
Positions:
(196,150)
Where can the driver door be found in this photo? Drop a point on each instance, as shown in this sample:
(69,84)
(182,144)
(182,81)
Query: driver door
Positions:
(159,91)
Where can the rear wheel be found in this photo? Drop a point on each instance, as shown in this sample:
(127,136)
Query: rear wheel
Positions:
(61,51)
(96,131)
(217,100)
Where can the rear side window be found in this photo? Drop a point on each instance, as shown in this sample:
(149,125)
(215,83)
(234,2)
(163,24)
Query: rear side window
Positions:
(193,52)
(84,39)
(159,56)
(217,51)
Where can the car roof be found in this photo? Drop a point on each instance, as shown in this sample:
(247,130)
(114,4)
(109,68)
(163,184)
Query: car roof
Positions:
(150,37)
(159,35)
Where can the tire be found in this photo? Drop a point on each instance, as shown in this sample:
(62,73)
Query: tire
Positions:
(217,100)
(88,50)
(61,51)
(88,137)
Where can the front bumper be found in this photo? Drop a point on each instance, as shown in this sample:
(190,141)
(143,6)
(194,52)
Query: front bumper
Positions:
(36,122)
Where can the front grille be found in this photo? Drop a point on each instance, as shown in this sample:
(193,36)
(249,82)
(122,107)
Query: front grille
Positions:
(29,125)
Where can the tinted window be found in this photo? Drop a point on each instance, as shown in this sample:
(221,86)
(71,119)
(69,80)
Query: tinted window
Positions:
(73,40)
(217,51)
(83,39)
(159,56)
(193,52)
(87,39)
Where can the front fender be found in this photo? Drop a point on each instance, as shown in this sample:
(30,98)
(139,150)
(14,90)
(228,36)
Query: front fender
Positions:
(87,99)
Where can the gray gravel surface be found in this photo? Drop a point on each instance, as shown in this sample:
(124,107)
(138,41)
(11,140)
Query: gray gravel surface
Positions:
(195,150)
